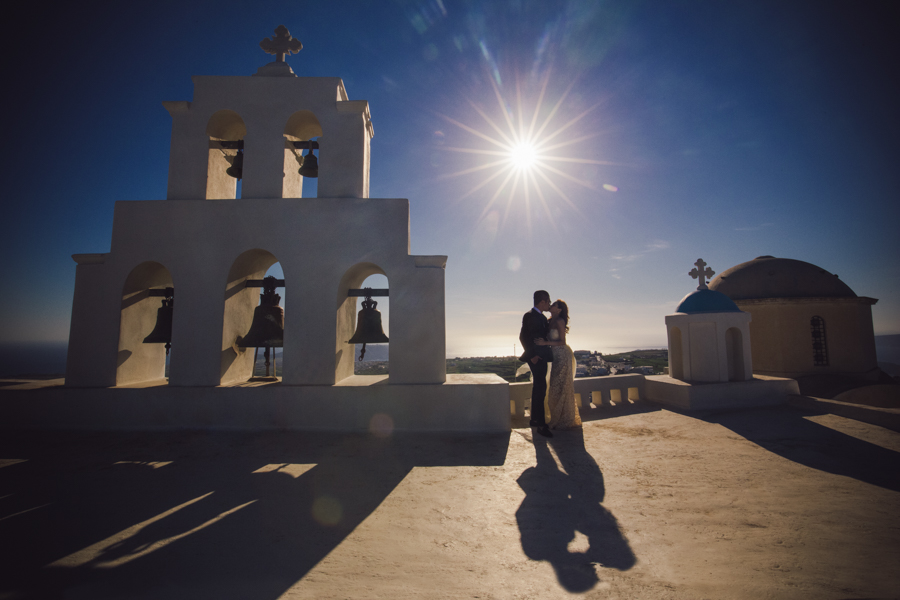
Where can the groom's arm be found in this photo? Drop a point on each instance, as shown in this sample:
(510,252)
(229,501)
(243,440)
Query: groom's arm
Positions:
(526,338)
(531,328)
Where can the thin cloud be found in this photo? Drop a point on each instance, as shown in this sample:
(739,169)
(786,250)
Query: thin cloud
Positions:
(625,260)
(626,257)
(654,246)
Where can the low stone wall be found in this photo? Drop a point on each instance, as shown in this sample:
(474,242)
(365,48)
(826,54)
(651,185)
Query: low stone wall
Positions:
(599,391)
(662,389)
(762,390)
(465,403)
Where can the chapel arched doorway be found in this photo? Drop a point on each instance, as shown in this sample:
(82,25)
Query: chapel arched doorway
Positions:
(734,351)
(676,354)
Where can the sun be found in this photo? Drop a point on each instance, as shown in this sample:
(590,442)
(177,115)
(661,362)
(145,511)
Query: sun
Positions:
(523,157)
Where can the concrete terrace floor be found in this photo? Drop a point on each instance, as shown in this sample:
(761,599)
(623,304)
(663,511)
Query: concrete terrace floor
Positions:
(643,503)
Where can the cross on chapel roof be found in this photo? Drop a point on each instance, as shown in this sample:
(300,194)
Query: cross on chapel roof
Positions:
(698,273)
(281,43)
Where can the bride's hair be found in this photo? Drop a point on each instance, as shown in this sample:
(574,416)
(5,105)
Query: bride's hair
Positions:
(563,312)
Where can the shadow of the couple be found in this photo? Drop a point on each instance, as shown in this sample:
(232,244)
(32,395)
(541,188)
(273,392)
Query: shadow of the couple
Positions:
(564,498)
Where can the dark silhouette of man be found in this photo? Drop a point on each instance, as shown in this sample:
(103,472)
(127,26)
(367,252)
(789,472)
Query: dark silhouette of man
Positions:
(534,326)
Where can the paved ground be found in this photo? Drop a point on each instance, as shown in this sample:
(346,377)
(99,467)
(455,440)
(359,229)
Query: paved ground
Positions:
(644,503)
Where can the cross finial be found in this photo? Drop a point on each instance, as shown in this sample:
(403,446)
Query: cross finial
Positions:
(281,43)
(698,273)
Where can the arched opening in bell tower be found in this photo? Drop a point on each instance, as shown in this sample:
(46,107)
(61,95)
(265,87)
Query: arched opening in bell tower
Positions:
(302,128)
(226,131)
(376,360)
(253,319)
(271,367)
(145,325)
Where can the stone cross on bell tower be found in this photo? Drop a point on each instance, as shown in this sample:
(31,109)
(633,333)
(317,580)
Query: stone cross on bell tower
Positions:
(280,44)
(699,273)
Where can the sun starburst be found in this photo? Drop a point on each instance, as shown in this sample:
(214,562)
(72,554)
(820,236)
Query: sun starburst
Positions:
(525,159)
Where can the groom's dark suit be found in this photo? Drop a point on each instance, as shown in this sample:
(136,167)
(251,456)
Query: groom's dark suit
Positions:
(535,325)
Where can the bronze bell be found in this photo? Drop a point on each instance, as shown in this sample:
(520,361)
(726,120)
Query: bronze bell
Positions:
(368,327)
(236,169)
(310,165)
(267,328)
(162,333)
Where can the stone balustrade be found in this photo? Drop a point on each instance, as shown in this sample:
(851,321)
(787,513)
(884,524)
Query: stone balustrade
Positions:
(590,392)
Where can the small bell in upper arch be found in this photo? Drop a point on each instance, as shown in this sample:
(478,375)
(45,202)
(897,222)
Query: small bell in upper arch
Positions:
(310,165)
(236,169)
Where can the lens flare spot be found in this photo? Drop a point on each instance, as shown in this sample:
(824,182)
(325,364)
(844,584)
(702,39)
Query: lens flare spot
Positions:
(514,263)
(327,510)
(610,188)
(430,52)
(381,425)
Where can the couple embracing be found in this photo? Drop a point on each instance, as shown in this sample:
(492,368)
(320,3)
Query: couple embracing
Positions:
(545,342)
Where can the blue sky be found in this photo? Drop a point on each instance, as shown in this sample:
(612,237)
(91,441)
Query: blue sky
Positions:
(722,130)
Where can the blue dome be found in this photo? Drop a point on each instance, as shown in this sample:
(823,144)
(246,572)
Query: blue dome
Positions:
(706,301)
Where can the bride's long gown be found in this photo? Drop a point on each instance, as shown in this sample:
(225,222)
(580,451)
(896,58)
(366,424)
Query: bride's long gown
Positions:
(561,389)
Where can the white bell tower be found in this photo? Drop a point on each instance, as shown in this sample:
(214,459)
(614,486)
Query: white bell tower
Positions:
(207,247)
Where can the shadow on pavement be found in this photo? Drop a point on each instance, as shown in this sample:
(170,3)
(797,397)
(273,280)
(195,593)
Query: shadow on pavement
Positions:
(562,501)
(785,431)
(195,515)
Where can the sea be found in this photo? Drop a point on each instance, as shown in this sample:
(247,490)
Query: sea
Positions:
(33,358)
(49,358)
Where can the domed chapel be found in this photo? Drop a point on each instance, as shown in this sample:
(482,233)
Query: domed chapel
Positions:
(710,364)
(709,338)
(805,320)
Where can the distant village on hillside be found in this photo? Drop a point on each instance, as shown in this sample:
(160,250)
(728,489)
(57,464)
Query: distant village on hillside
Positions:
(588,364)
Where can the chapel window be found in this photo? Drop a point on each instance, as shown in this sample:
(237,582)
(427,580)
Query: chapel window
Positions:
(820,348)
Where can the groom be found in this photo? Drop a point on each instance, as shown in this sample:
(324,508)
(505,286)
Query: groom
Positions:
(534,326)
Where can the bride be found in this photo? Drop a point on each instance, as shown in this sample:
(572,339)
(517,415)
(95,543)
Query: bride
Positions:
(561,391)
